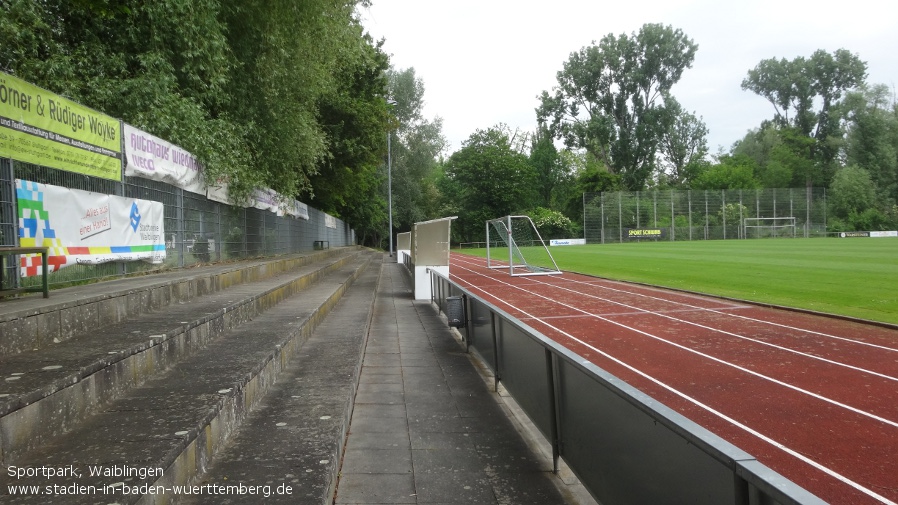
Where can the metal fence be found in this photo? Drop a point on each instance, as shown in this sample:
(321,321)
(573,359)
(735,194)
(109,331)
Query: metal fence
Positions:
(704,215)
(197,229)
(624,446)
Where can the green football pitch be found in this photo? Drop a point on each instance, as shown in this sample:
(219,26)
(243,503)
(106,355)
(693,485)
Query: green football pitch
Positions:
(853,277)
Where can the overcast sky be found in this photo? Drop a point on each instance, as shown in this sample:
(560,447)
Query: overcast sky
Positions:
(484,62)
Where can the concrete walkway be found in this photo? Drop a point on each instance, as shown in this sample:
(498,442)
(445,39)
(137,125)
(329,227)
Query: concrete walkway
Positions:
(426,428)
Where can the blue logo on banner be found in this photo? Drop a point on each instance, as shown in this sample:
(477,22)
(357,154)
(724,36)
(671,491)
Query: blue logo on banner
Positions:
(135,216)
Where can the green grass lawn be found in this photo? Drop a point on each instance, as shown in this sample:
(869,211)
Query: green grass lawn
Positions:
(853,277)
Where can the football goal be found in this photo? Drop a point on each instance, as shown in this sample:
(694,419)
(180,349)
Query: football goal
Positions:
(513,243)
(763,227)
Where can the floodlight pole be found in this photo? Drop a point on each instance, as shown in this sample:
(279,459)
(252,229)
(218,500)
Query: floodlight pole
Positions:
(391,103)
(390,190)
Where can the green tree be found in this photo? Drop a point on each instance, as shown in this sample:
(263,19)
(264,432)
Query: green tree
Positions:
(355,119)
(490,179)
(416,144)
(683,145)
(806,94)
(872,141)
(551,171)
(852,192)
(289,55)
(609,99)
(730,172)
(238,83)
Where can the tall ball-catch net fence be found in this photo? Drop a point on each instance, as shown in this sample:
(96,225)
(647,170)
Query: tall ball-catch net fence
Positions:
(704,214)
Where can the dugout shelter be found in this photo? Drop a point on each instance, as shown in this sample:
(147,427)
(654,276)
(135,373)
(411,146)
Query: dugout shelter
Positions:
(429,248)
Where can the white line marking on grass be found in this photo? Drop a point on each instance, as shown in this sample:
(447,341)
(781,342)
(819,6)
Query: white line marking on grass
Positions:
(765,438)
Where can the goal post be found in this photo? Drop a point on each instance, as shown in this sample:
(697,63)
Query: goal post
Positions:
(757,227)
(514,243)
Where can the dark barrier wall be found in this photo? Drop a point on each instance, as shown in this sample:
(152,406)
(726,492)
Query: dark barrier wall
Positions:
(624,447)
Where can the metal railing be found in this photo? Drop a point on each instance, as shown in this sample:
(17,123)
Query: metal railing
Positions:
(624,446)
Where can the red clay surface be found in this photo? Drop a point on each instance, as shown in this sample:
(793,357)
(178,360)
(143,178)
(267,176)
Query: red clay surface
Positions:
(813,398)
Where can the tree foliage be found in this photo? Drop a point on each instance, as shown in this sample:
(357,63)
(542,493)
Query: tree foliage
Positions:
(806,94)
(872,141)
(610,98)
(488,179)
(683,145)
(241,84)
(417,143)
(730,172)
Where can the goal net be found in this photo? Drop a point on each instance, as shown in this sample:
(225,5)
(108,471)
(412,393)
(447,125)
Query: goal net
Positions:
(764,227)
(513,243)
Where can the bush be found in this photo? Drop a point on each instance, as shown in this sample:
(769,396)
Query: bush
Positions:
(552,224)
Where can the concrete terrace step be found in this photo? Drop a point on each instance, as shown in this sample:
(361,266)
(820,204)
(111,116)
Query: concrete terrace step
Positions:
(289,448)
(164,432)
(32,323)
(46,392)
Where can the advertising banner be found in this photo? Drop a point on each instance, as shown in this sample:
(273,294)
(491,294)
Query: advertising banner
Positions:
(267,199)
(868,234)
(39,127)
(150,157)
(298,210)
(84,228)
(646,233)
(568,241)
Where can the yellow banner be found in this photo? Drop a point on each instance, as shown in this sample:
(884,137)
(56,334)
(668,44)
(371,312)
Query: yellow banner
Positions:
(39,127)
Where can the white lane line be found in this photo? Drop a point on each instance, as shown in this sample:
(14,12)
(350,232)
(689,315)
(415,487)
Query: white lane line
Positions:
(752,319)
(721,312)
(765,438)
(712,358)
(724,332)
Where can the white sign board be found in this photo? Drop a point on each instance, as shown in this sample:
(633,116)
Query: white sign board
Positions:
(150,157)
(84,228)
(568,241)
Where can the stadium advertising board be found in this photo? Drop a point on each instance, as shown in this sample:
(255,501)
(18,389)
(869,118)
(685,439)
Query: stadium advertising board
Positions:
(150,157)
(39,127)
(868,234)
(568,241)
(646,233)
(84,228)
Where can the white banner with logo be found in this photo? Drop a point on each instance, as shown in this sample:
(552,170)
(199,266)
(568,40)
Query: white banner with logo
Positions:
(298,210)
(84,228)
(150,157)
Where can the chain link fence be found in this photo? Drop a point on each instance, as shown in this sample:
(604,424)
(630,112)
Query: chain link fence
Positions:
(197,230)
(704,214)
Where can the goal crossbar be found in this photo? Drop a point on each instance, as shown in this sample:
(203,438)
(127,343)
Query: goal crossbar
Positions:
(772,224)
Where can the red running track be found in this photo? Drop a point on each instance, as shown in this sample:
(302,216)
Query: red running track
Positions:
(812,397)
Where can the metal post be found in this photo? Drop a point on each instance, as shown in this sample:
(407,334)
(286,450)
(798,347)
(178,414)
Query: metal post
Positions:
(495,351)
(508,239)
(620,218)
(585,224)
(390,189)
(555,409)
(723,207)
(673,219)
